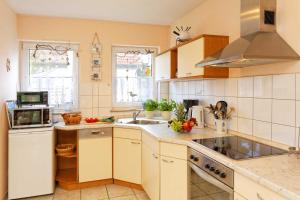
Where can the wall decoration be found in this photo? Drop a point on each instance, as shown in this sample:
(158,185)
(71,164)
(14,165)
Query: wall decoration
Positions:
(182,34)
(96,61)
(8,65)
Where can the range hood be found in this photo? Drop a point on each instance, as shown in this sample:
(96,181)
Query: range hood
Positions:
(259,42)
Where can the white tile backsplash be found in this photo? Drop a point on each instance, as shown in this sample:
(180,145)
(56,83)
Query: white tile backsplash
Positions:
(105,101)
(263,87)
(284,134)
(86,89)
(245,87)
(262,109)
(245,126)
(86,102)
(245,107)
(262,129)
(283,112)
(265,106)
(284,86)
(231,87)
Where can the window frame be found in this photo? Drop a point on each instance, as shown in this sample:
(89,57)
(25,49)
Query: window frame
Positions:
(24,67)
(116,105)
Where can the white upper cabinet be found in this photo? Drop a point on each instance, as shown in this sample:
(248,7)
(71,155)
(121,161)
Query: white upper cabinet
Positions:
(165,65)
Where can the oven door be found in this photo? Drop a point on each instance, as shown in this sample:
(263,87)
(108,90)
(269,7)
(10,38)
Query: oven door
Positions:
(204,186)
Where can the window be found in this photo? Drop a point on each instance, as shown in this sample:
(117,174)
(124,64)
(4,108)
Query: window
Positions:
(133,81)
(52,68)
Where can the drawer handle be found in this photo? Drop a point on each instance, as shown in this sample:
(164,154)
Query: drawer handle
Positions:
(259,197)
(167,161)
(189,73)
(97,132)
(155,156)
(135,143)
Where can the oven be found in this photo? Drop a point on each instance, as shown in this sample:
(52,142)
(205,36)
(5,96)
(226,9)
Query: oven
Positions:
(208,179)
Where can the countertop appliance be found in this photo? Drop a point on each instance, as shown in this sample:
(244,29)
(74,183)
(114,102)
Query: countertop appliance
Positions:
(31,117)
(197,112)
(239,148)
(209,179)
(188,104)
(31,170)
(259,43)
(32,98)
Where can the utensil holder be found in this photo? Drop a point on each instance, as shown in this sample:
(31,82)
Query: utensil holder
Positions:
(221,126)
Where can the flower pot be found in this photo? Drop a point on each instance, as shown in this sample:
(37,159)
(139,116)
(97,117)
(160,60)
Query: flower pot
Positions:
(166,115)
(150,114)
(221,126)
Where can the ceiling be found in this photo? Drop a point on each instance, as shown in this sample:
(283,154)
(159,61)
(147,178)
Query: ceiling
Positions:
(162,12)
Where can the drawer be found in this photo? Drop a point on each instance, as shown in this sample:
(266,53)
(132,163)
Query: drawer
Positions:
(150,142)
(257,191)
(173,150)
(127,133)
(95,132)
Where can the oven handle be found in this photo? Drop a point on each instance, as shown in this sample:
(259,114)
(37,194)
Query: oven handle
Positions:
(210,179)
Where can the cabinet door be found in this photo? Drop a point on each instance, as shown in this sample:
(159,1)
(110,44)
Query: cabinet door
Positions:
(150,172)
(95,158)
(188,56)
(238,197)
(163,66)
(173,179)
(128,160)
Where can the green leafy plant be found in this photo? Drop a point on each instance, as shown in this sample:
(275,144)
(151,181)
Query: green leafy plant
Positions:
(165,105)
(150,105)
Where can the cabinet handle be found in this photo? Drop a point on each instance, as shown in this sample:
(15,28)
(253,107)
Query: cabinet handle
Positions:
(188,74)
(97,132)
(135,143)
(259,197)
(155,156)
(167,161)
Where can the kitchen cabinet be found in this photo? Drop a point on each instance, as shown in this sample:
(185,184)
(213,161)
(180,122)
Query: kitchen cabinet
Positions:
(95,154)
(196,50)
(166,65)
(173,179)
(128,155)
(257,192)
(238,197)
(150,166)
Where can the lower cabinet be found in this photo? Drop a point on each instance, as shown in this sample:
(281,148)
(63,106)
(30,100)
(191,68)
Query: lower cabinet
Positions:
(150,172)
(95,154)
(257,192)
(128,160)
(173,179)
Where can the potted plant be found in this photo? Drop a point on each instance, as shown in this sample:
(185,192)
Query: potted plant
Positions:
(150,106)
(180,124)
(166,107)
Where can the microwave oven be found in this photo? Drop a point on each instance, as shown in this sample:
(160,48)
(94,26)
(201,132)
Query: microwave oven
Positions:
(32,98)
(31,117)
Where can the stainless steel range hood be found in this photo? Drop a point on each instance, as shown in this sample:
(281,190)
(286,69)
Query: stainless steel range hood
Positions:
(259,43)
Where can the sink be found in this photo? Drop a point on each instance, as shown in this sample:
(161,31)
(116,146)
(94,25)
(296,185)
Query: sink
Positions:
(144,122)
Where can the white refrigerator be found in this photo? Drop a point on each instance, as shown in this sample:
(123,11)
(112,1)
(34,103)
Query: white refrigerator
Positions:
(31,162)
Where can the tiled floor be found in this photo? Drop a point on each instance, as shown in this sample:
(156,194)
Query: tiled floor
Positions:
(112,192)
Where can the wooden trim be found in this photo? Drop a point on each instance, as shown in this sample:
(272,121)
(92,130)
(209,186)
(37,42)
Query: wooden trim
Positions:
(127,184)
(213,44)
(76,185)
(173,62)
(216,72)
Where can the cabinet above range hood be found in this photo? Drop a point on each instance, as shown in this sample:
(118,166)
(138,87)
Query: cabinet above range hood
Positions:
(259,42)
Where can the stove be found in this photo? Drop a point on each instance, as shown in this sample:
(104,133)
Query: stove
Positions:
(239,148)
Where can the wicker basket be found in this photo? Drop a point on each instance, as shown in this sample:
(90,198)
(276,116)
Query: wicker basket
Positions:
(72,118)
(65,149)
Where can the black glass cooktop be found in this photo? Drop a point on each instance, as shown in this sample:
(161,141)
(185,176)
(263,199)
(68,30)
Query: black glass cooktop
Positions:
(239,148)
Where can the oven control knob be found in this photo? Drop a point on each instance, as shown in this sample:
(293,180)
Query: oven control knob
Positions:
(196,159)
(223,175)
(207,166)
(217,172)
(211,169)
(192,157)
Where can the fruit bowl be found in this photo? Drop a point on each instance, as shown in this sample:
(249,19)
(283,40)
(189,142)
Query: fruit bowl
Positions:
(182,126)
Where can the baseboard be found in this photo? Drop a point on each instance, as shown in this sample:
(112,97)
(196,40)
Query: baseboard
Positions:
(128,184)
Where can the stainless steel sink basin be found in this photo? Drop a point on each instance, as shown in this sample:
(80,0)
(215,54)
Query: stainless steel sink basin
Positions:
(144,122)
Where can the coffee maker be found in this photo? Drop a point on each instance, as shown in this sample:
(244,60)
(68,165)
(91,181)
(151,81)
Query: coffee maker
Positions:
(188,104)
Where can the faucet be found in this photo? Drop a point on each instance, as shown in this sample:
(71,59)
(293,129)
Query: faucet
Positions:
(135,114)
